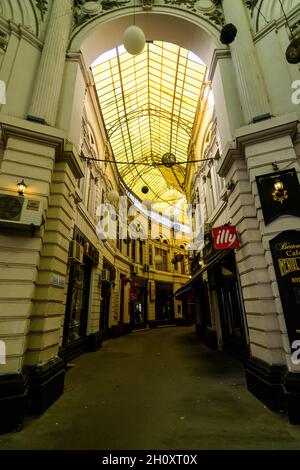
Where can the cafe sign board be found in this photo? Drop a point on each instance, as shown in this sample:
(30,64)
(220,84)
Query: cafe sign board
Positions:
(285,250)
(226,237)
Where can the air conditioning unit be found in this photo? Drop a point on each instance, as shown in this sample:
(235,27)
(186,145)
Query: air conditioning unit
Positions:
(146,268)
(106,275)
(135,269)
(75,252)
(20,211)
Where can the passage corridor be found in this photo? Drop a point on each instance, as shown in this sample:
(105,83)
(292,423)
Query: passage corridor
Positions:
(157,389)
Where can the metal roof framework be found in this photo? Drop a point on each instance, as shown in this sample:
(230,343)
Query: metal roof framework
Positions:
(149,103)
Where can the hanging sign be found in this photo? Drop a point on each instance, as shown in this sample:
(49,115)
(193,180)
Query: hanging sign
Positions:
(285,250)
(279,194)
(225,237)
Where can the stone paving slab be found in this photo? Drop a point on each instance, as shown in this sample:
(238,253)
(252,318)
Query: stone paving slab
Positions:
(157,389)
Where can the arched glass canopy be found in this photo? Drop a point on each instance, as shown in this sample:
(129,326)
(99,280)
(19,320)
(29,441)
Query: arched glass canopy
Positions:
(149,103)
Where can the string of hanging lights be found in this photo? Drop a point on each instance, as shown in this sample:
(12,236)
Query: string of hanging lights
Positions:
(153,164)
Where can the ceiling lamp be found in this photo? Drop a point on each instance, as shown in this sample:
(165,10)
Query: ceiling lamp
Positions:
(158,259)
(113,196)
(169,159)
(293,51)
(134,40)
(228,34)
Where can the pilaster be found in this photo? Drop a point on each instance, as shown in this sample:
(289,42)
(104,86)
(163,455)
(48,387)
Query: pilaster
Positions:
(252,89)
(45,99)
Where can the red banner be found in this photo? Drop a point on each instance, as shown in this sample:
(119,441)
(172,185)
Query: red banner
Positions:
(225,237)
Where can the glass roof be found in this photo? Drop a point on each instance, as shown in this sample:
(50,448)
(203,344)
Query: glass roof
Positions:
(149,103)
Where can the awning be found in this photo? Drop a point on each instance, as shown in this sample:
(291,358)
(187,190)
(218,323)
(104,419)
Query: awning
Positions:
(188,286)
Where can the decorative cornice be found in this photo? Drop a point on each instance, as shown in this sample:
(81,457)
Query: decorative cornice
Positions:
(70,155)
(230,155)
(217,55)
(31,132)
(9,27)
(77,57)
(254,134)
(267,130)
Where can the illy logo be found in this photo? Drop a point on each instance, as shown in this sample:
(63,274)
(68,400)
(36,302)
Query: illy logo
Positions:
(225,237)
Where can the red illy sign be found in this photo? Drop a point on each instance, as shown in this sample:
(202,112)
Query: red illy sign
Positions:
(225,237)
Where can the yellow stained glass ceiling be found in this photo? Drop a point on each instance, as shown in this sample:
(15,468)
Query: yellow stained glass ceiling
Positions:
(148,103)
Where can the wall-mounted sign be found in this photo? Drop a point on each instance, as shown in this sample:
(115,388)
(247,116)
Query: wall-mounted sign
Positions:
(152,291)
(58,281)
(285,250)
(225,237)
(33,205)
(279,194)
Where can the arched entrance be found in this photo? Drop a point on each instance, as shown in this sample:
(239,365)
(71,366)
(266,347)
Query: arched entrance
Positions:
(190,31)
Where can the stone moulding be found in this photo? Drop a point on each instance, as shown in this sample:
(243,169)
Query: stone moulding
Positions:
(84,15)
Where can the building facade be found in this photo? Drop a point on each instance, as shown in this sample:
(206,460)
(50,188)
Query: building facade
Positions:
(61,286)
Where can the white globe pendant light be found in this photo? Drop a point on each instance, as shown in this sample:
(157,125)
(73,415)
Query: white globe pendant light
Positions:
(158,259)
(134,40)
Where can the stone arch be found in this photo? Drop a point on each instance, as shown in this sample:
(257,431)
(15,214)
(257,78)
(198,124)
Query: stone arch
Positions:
(187,30)
(180,27)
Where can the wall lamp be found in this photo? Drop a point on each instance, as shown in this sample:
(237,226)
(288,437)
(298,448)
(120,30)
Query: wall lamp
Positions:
(22,188)
(230,185)
(279,194)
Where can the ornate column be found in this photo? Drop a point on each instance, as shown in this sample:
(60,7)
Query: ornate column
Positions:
(46,93)
(251,85)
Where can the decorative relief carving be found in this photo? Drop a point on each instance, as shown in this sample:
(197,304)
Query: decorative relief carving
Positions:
(84,10)
(211,9)
(251,4)
(42,5)
(3,41)
(147,4)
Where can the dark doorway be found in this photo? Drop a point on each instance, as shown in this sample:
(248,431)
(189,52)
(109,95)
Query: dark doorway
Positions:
(138,309)
(231,307)
(164,303)
(75,326)
(104,306)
